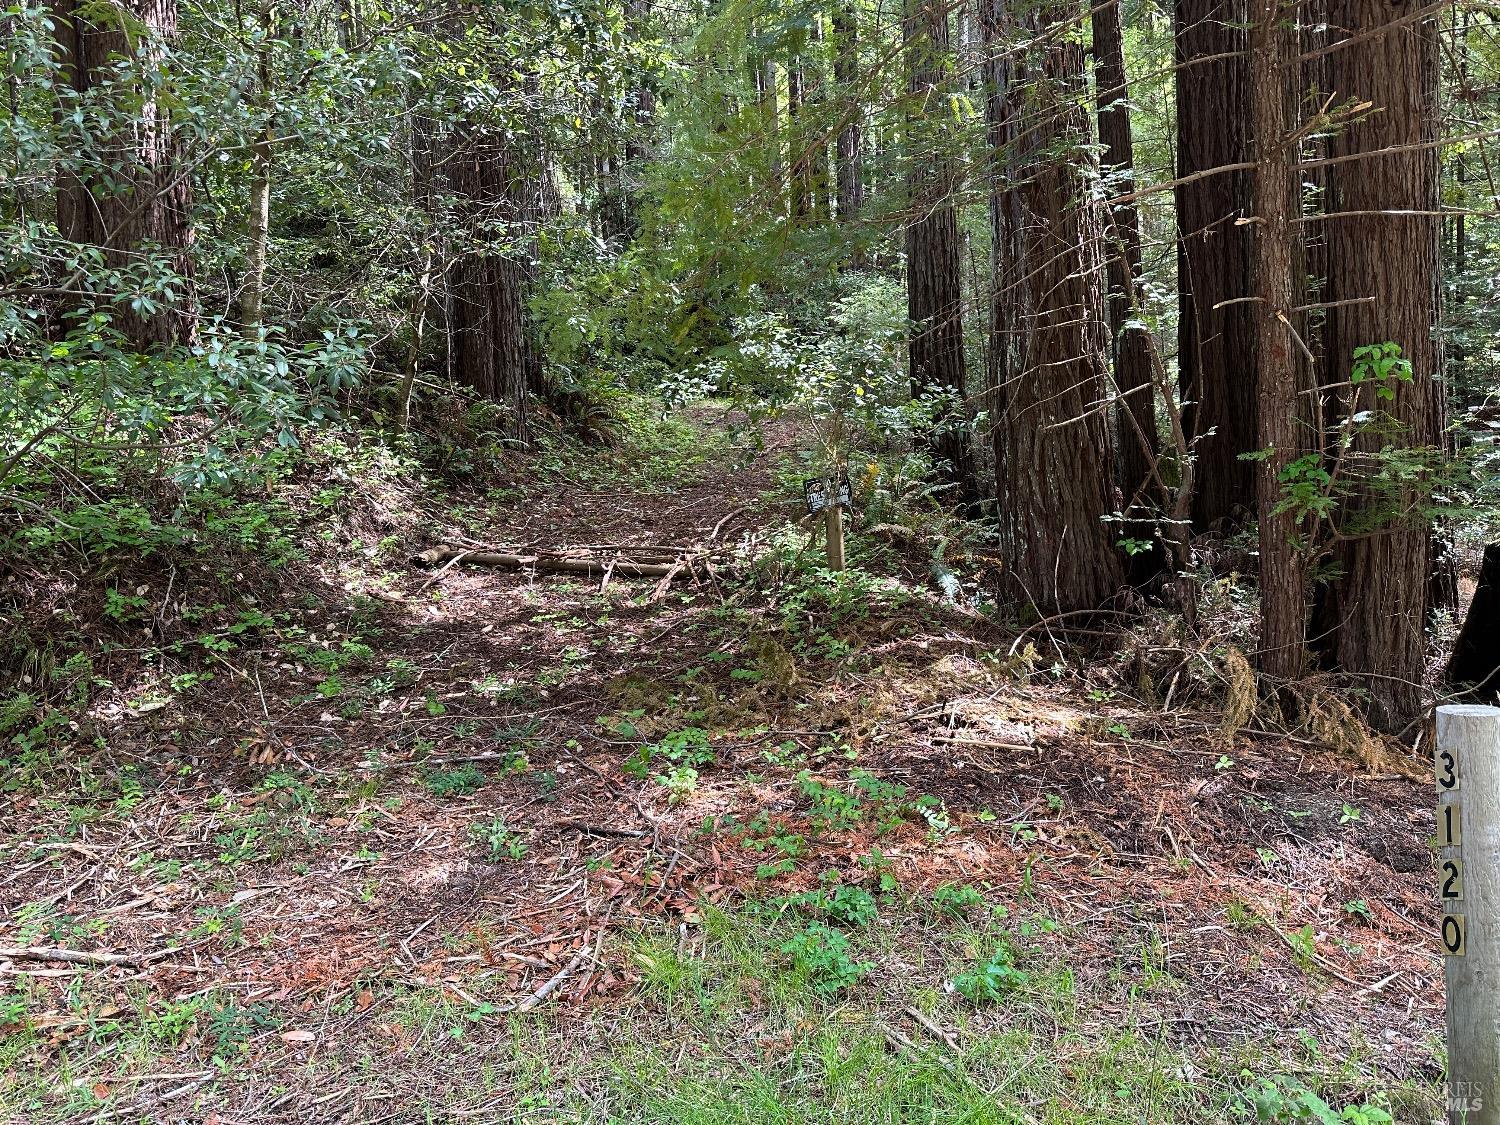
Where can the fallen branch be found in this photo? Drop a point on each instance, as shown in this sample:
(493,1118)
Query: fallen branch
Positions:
(599,829)
(552,985)
(937,1031)
(617,566)
(666,582)
(82,956)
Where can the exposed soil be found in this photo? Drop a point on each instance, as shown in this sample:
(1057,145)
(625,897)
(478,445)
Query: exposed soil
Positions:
(353,875)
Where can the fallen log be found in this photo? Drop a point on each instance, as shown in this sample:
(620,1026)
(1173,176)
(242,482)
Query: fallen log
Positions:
(616,565)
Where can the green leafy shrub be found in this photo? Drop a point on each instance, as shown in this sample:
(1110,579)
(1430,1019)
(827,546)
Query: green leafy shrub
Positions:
(458,781)
(689,747)
(846,905)
(954,900)
(499,840)
(991,979)
(821,954)
(1282,1099)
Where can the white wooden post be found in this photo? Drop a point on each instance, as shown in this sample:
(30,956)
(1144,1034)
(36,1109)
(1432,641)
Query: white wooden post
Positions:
(1466,760)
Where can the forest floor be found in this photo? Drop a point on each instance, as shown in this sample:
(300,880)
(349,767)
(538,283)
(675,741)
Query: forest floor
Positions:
(487,845)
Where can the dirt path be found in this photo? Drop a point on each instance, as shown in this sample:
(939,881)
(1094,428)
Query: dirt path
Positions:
(434,799)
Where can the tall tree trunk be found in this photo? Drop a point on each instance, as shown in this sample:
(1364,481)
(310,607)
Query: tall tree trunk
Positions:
(816,142)
(799,152)
(1004,96)
(934,281)
(1283,584)
(798,179)
(499,193)
(134,192)
(422,156)
(641,101)
(1053,452)
(1387,264)
(258,241)
(767,97)
(1216,358)
(1139,444)
(850,148)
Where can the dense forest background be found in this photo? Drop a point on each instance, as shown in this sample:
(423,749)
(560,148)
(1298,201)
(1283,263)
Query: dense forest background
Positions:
(423,694)
(1150,295)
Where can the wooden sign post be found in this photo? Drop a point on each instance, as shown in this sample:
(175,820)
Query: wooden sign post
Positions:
(830,495)
(1466,761)
(833,535)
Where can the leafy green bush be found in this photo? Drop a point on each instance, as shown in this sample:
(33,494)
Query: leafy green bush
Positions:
(688,747)
(846,905)
(499,840)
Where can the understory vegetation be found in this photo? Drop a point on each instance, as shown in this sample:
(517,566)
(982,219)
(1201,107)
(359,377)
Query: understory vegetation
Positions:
(762,561)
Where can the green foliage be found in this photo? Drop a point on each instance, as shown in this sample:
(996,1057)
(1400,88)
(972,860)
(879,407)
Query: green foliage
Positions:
(680,783)
(956,901)
(1382,366)
(459,780)
(841,903)
(836,809)
(822,955)
(991,979)
(1282,1099)
(688,747)
(231,1026)
(499,840)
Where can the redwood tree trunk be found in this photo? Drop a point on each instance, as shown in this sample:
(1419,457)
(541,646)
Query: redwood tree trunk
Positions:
(499,194)
(815,92)
(1283,585)
(799,153)
(133,192)
(1139,445)
(1053,453)
(934,281)
(1216,357)
(850,148)
(766,97)
(262,152)
(1377,605)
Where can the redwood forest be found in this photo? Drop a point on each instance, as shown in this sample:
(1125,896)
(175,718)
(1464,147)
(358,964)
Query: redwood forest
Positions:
(734,562)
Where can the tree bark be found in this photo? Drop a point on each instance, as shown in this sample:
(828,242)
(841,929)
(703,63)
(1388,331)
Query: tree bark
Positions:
(1216,359)
(252,293)
(815,91)
(850,147)
(801,174)
(934,281)
(133,194)
(1139,445)
(499,191)
(1053,452)
(767,97)
(1389,265)
(1283,583)
(1474,668)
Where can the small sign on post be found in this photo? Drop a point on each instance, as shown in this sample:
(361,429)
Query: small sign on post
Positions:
(831,497)
(1466,766)
(817,490)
